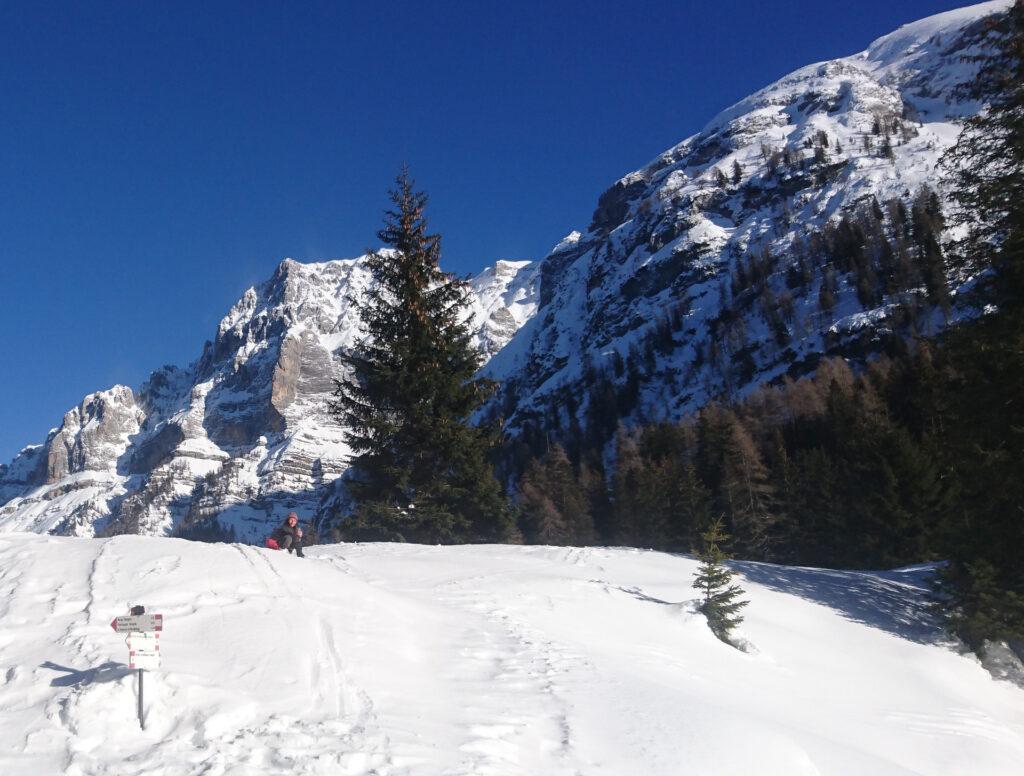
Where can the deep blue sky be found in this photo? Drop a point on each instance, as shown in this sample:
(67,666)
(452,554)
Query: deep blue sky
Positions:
(157,159)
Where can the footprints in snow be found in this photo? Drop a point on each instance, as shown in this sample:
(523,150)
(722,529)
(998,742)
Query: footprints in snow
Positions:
(516,715)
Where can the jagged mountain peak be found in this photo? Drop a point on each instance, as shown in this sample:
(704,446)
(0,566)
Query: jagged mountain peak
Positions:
(242,434)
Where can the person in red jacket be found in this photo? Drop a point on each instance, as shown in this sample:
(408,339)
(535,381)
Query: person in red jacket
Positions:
(289,535)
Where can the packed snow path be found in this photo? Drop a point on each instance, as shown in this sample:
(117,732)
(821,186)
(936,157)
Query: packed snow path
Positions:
(404,659)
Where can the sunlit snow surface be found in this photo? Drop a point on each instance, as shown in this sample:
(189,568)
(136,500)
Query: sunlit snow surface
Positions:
(404,659)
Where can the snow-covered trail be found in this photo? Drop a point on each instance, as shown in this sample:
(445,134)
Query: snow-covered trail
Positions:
(403,659)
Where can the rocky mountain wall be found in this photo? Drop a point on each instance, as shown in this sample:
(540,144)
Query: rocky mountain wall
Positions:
(226,446)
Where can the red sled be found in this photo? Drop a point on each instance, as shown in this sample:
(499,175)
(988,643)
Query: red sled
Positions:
(272,544)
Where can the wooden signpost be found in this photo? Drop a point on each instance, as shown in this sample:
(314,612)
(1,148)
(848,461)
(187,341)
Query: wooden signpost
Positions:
(143,643)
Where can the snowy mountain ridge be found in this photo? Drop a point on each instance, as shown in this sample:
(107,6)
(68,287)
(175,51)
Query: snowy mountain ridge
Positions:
(705,273)
(243,433)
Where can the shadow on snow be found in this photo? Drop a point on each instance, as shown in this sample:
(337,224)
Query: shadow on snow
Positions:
(107,672)
(896,602)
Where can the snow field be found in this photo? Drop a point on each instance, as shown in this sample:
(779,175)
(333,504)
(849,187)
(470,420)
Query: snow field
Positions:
(483,660)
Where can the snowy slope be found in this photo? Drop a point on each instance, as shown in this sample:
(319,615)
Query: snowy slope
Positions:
(241,435)
(642,306)
(405,659)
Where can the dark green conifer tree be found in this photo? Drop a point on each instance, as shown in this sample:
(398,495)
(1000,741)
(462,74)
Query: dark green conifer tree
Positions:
(729,462)
(984,583)
(983,443)
(928,225)
(691,505)
(816,536)
(639,510)
(420,470)
(978,607)
(737,172)
(592,481)
(888,491)
(719,593)
(987,162)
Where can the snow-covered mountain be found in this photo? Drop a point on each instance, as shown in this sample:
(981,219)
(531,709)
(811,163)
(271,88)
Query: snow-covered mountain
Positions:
(242,433)
(405,660)
(706,273)
(786,230)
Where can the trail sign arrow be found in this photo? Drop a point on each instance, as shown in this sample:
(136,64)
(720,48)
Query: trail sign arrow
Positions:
(138,623)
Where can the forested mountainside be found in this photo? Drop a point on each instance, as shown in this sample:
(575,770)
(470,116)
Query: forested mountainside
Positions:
(805,221)
(911,455)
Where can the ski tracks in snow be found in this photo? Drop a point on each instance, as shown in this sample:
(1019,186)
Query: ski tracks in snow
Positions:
(404,660)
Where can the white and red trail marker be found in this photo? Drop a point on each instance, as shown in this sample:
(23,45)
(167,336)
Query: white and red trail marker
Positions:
(143,651)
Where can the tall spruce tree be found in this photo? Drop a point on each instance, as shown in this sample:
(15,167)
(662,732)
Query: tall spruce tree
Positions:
(420,470)
(720,594)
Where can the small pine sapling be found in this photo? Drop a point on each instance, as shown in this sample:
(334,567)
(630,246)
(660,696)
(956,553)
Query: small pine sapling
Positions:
(720,604)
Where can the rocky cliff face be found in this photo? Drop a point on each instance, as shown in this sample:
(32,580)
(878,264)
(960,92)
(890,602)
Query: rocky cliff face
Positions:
(228,444)
(779,233)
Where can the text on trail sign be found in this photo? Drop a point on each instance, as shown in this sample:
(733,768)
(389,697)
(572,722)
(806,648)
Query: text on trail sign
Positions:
(138,623)
(144,651)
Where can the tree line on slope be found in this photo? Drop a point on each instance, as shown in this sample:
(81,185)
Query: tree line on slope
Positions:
(903,463)
(882,253)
